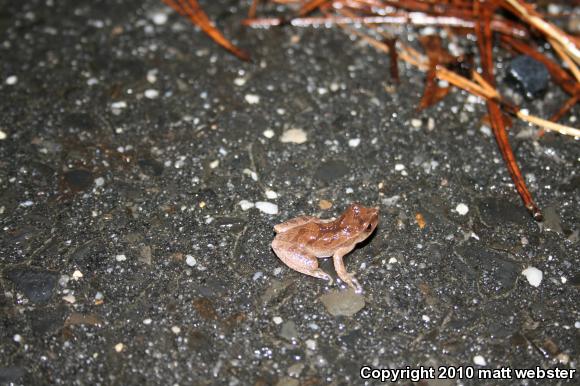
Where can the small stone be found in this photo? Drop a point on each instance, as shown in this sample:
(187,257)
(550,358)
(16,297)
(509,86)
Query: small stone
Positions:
(120,257)
(12,80)
(214,164)
(354,142)
(416,123)
(119,347)
(190,260)
(277,320)
(240,81)
(324,204)
(297,136)
(17,338)
(534,276)
(147,321)
(479,360)
(69,299)
(426,318)
(151,94)
(399,167)
(530,75)
(245,205)
(311,344)
(393,260)
(462,209)
(176,330)
(343,303)
(269,133)
(267,207)
(252,99)
(77,275)
(159,18)
(271,195)
(119,105)
(3,135)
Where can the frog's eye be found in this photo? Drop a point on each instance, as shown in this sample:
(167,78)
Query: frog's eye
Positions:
(369,227)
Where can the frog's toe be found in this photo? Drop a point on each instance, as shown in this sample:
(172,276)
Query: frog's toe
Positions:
(352,282)
(323,275)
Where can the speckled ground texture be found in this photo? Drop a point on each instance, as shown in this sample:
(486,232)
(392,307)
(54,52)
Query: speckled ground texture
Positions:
(139,192)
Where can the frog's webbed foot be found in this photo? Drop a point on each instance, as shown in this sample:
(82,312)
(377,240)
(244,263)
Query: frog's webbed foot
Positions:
(299,260)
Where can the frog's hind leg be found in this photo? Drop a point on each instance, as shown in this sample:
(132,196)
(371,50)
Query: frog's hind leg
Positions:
(299,260)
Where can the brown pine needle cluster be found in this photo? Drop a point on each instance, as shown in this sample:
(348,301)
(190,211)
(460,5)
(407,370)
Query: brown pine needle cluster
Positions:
(367,19)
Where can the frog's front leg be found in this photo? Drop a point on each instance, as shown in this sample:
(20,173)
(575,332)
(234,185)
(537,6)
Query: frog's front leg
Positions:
(346,277)
(299,259)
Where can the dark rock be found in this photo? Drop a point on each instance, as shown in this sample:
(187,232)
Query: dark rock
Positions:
(11,374)
(330,171)
(530,75)
(496,212)
(78,179)
(36,283)
(47,321)
(151,167)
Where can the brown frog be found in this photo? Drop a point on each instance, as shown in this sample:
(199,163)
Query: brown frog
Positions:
(301,240)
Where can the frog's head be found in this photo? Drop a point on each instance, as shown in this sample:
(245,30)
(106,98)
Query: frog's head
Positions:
(363,219)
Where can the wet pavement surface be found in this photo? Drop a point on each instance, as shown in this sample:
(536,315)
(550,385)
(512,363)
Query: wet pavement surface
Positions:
(142,169)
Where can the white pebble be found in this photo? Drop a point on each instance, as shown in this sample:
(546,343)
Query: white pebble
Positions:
(311,344)
(12,80)
(257,275)
(277,320)
(267,207)
(190,260)
(269,133)
(245,204)
(176,330)
(479,360)
(272,195)
(100,181)
(214,164)
(354,142)
(121,257)
(119,105)
(240,82)
(17,338)
(159,18)
(393,260)
(294,136)
(534,276)
(416,123)
(151,93)
(147,321)
(252,99)
(27,203)
(77,274)
(426,318)
(99,296)
(3,135)
(577,324)
(119,347)
(462,209)
(349,190)
(485,130)
(399,167)
(69,299)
